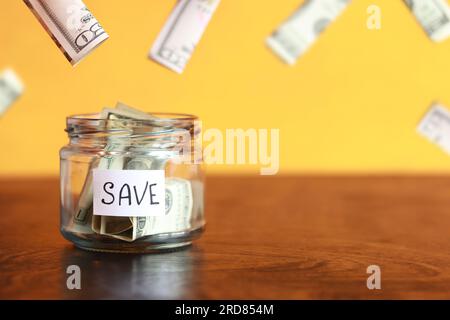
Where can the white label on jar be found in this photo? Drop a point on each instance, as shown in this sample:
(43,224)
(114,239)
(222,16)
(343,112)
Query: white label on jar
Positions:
(129,193)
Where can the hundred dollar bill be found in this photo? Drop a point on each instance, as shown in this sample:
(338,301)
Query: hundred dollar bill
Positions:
(178,192)
(435,126)
(297,34)
(83,220)
(129,228)
(71,25)
(123,117)
(11,88)
(434,17)
(179,204)
(176,43)
(138,114)
(123,228)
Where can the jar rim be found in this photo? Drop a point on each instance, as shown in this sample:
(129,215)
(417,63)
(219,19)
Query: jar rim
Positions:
(92,125)
(160,117)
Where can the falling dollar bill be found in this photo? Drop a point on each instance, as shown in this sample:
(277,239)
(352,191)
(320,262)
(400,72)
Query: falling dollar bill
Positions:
(300,31)
(176,43)
(71,25)
(435,126)
(11,88)
(434,17)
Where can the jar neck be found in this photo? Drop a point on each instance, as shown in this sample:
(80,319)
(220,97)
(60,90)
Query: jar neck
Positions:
(125,135)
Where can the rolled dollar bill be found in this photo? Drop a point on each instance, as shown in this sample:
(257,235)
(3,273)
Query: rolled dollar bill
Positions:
(297,34)
(433,16)
(71,25)
(126,229)
(176,43)
(435,126)
(11,88)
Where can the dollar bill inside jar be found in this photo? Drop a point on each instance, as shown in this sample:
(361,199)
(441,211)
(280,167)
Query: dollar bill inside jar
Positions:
(71,25)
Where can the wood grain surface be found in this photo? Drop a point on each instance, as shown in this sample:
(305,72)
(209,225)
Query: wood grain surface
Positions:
(298,237)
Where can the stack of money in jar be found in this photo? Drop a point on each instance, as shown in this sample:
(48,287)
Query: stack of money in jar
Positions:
(183,30)
(178,191)
(11,88)
(71,25)
(433,16)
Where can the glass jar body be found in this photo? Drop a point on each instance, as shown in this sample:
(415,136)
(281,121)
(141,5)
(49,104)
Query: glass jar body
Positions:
(184,191)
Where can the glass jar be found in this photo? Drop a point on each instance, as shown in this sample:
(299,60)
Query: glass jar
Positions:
(132,185)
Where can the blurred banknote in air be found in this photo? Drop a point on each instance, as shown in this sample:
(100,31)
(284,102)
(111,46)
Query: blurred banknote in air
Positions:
(435,126)
(433,16)
(299,32)
(183,30)
(11,89)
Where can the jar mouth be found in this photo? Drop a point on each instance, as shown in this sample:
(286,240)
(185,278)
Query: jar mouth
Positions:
(92,124)
(160,117)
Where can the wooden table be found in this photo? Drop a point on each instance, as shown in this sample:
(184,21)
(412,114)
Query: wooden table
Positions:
(267,237)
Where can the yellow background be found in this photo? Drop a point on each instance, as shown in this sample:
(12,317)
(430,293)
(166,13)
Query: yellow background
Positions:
(351,104)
